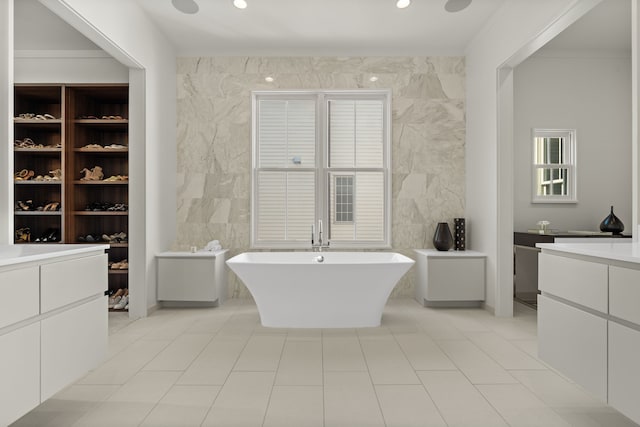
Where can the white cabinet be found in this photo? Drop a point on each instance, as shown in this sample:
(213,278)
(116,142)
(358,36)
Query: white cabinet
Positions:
(582,282)
(624,292)
(192,277)
(449,278)
(70,345)
(68,281)
(53,326)
(19,295)
(575,343)
(19,372)
(589,325)
(624,370)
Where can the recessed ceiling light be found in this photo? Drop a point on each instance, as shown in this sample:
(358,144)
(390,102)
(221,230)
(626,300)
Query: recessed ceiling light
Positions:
(373,79)
(401,4)
(268,79)
(186,6)
(240,4)
(456,5)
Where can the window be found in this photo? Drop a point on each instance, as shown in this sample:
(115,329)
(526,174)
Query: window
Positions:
(344,199)
(321,156)
(554,168)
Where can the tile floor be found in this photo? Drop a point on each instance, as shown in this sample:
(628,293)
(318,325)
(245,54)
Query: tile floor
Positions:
(422,367)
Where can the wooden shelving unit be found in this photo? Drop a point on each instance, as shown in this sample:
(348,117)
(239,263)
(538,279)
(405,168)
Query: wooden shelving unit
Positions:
(82,115)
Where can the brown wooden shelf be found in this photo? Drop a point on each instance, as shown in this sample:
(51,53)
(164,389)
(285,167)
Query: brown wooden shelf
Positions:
(38,213)
(37,150)
(118,245)
(122,310)
(126,271)
(32,182)
(101,213)
(100,121)
(102,150)
(100,182)
(34,121)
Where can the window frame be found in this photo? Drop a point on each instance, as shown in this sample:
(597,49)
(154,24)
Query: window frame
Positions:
(322,171)
(569,163)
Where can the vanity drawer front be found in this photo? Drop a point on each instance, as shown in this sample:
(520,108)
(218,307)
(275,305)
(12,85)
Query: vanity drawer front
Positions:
(624,293)
(69,281)
(575,343)
(20,290)
(582,282)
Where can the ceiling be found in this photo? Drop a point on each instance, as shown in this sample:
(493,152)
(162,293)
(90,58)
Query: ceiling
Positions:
(322,27)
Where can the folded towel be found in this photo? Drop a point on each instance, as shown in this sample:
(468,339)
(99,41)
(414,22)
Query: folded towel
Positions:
(213,245)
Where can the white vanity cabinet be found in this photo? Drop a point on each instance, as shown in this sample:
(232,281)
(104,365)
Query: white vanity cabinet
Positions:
(53,322)
(449,278)
(199,277)
(589,319)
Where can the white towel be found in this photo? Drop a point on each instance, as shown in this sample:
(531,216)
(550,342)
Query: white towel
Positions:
(213,246)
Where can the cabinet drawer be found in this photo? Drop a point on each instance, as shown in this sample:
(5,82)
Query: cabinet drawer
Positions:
(73,343)
(624,293)
(624,370)
(575,343)
(19,372)
(582,282)
(68,281)
(20,295)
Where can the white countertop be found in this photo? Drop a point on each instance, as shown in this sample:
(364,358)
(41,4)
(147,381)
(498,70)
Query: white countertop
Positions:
(16,254)
(622,251)
(197,254)
(449,254)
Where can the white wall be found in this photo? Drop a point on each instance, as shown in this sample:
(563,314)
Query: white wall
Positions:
(516,24)
(123,30)
(71,66)
(590,92)
(6,121)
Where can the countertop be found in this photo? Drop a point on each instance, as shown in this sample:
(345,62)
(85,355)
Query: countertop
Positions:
(449,254)
(16,254)
(622,251)
(197,254)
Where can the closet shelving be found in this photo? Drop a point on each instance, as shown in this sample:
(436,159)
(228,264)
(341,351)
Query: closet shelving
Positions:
(86,126)
(43,153)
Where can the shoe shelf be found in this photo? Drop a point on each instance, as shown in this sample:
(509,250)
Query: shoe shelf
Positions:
(70,128)
(38,151)
(101,182)
(97,141)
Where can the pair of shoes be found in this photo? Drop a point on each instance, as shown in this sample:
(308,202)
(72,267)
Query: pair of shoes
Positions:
(26,116)
(26,143)
(120,265)
(90,238)
(23,175)
(111,118)
(93,174)
(117,178)
(53,206)
(24,206)
(115,147)
(115,238)
(23,235)
(45,116)
(51,235)
(122,304)
(118,207)
(93,146)
(117,296)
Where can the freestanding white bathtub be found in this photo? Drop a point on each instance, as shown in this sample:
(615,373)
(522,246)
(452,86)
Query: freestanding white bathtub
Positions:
(297,290)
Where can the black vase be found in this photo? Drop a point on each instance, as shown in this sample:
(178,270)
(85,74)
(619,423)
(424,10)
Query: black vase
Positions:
(612,224)
(442,239)
(459,243)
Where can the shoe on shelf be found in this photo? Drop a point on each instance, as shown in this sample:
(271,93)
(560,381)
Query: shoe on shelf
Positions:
(93,174)
(23,235)
(122,303)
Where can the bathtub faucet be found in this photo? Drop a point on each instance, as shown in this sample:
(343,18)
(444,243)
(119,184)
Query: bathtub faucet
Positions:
(319,245)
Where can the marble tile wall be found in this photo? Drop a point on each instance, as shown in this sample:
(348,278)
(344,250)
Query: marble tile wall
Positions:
(214,142)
